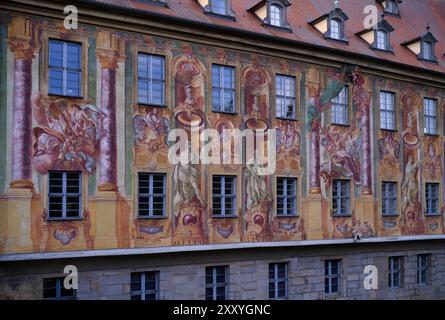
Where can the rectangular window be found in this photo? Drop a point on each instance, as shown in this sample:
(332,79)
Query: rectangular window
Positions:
(389,198)
(332,276)
(223,88)
(151,79)
(382,40)
(65,68)
(387,111)
(340,197)
(432,198)
(216,283)
(286,196)
(278,280)
(65,195)
(423,262)
(430,115)
(53,289)
(285,97)
(219,6)
(224,195)
(152,195)
(144,285)
(340,107)
(395,272)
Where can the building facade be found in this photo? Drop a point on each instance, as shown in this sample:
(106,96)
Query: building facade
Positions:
(87,108)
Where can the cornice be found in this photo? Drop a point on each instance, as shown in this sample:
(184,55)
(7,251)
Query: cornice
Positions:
(142,22)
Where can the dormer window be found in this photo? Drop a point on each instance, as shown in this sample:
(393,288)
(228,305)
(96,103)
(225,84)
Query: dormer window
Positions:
(276,15)
(379,37)
(390,7)
(382,40)
(423,46)
(332,25)
(220,8)
(335,29)
(272,13)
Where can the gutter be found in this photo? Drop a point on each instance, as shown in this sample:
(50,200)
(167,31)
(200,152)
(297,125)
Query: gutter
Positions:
(15,257)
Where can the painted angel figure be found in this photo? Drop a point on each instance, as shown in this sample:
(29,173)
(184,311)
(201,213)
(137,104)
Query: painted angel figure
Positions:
(256,187)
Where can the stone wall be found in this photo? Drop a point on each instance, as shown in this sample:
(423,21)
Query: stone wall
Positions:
(182,276)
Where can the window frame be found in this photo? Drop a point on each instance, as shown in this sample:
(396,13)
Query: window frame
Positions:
(150,80)
(329,276)
(223,196)
(427,116)
(65,195)
(426,268)
(151,195)
(394,271)
(214,285)
(222,90)
(280,15)
(386,110)
(285,197)
(144,292)
(284,77)
(346,105)
(385,199)
(59,286)
(429,205)
(276,280)
(348,198)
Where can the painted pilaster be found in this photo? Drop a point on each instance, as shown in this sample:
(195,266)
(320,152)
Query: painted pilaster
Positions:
(20,44)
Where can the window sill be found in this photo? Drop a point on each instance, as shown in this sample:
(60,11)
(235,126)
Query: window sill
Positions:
(434,135)
(226,112)
(152,218)
(390,215)
(341,124)
(145,105)
(227,16)
(53,95)
(345,215)
(286,119)
(224,216)
(287,216)
(383,50)
(64,219)
(342,40)
(389,130)
(432,215)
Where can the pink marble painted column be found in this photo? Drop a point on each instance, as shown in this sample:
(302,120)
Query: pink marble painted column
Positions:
(366,149)
(21,164)
(108,153)
(314,162)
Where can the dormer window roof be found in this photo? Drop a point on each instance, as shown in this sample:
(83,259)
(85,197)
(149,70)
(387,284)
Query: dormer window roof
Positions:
(390,7)
(423,46)
(221,8)
(379,36)
(272,13)
(332,25)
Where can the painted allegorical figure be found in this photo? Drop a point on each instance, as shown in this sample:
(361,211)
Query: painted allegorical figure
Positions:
(256,187)
(410,187)
(186,177)
(432,162)
(151,130)
(68,135)
(389,150)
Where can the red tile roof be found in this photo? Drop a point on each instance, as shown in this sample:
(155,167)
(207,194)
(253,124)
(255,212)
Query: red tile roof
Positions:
(415,15)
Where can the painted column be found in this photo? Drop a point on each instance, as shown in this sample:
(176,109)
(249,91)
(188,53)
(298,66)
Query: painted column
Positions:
(19,32)
(313,84)
(366,149)
(107,52)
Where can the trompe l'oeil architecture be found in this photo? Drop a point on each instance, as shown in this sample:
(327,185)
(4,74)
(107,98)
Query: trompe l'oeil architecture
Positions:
(359,114)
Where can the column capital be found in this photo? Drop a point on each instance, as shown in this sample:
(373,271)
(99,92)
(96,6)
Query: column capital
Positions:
(20,38)
(110,49)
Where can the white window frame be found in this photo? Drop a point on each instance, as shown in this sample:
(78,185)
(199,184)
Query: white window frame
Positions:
(223,90)
(335,29)
(64,68)
(150,80)
(430,115)
(286,96)
(339,199)
(144,292)
(64,196)
(276,280)
(381,40)
(387,110)
(223,196)
(389,198)
(214,285)
(276,15)
(340,107)
(288,198)
(430,201)
(152,195)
